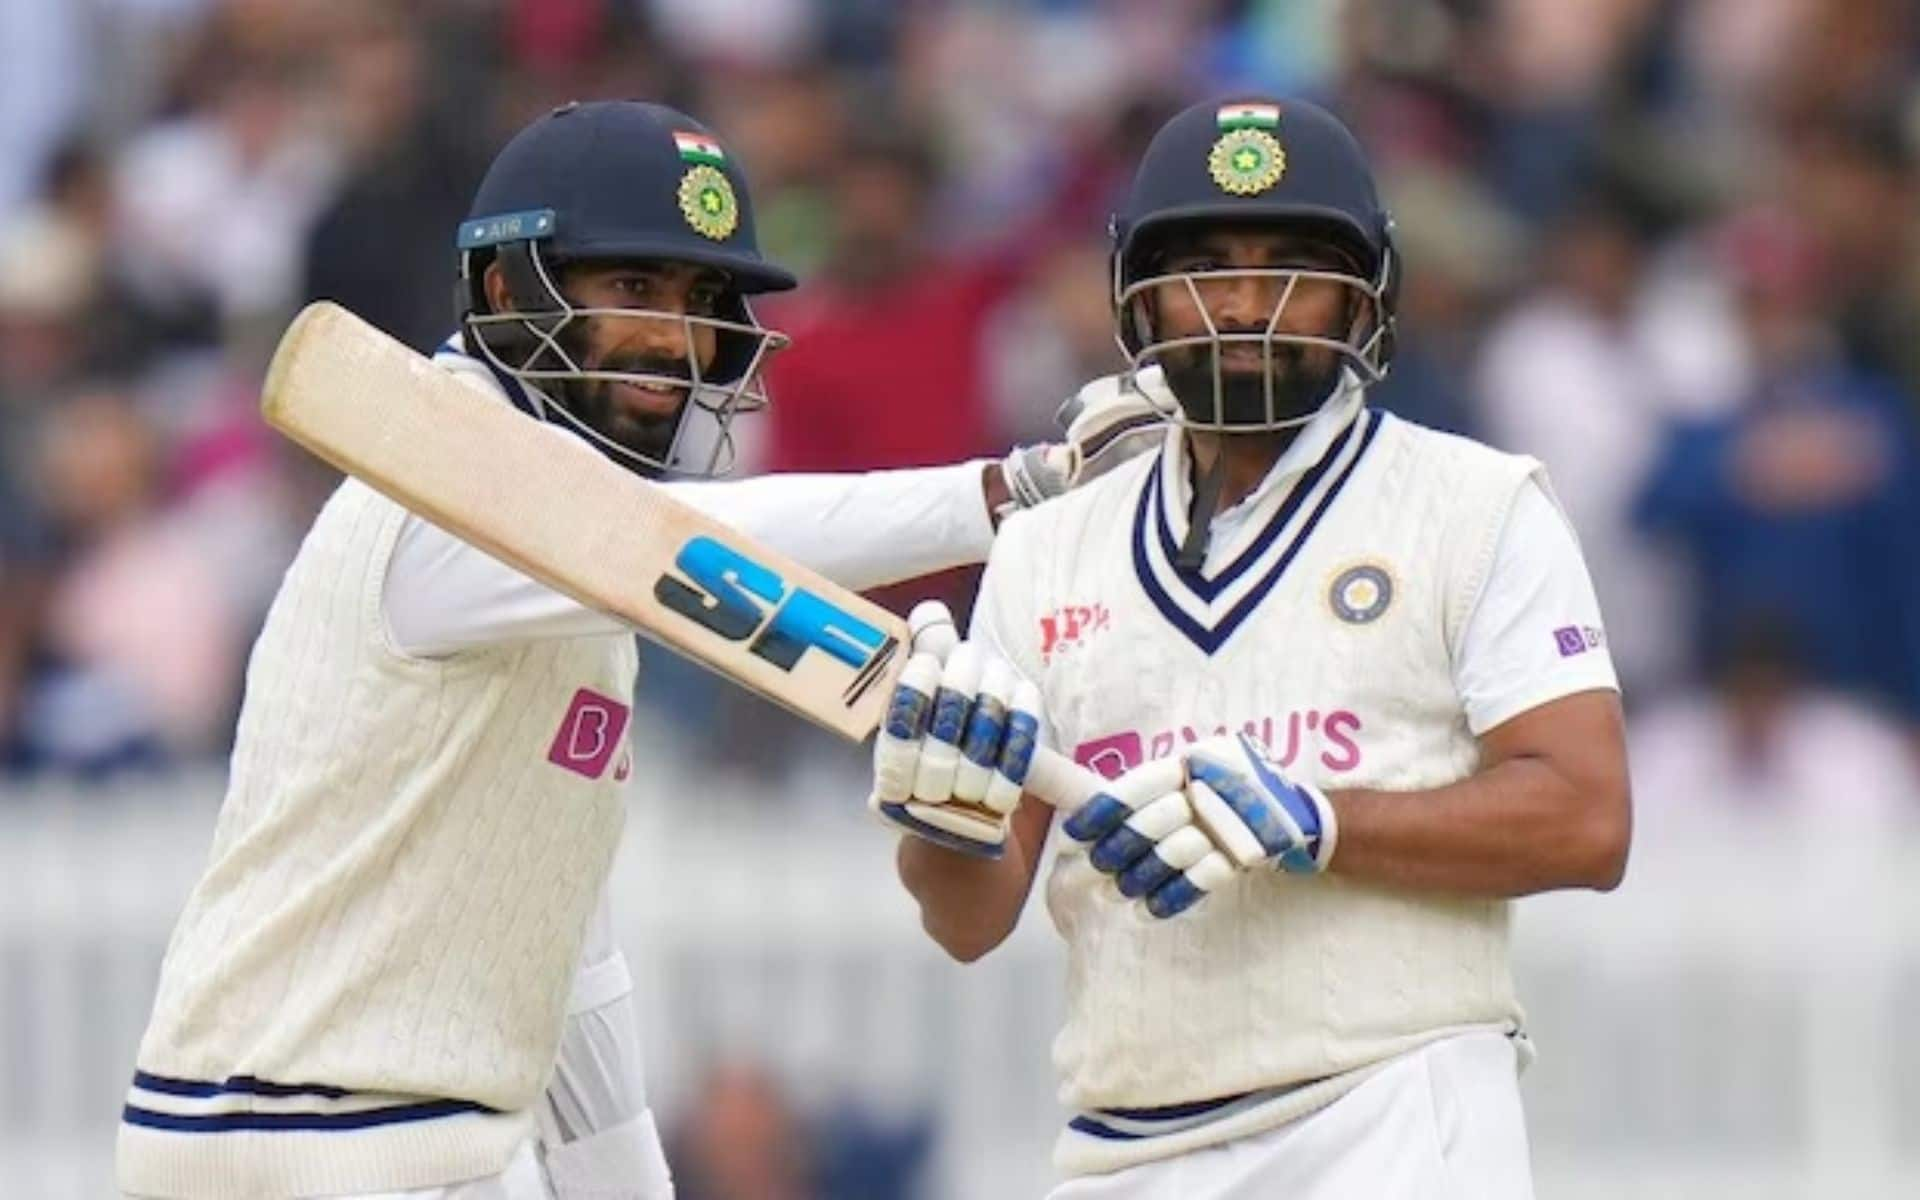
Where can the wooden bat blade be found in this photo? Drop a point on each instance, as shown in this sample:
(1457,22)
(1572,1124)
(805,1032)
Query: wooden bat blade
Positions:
(551,506)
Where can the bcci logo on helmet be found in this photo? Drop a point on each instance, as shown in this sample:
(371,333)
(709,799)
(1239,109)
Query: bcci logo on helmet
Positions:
(707,202)
(1247,158)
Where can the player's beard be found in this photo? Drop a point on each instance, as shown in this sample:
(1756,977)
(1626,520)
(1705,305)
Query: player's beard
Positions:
(599,403)
(1303,377)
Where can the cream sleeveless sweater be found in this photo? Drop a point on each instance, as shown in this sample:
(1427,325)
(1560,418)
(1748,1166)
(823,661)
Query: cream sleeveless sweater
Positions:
(367,986)
(1329,637)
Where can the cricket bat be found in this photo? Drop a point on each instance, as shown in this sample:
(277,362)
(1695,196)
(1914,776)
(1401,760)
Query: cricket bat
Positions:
(551,506)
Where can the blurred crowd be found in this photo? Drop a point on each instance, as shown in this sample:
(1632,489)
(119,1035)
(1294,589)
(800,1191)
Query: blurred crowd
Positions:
(1671,247)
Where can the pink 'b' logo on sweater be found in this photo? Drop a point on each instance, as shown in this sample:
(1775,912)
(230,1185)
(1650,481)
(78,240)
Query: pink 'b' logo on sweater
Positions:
(590,734)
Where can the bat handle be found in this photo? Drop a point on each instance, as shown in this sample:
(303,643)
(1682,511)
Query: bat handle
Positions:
(1060,781)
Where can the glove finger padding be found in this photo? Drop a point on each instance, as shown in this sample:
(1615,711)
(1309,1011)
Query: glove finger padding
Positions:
(953,754)
(896,749)
(986,730)
(952,705)
(1017,748)
(1110,807)
(930,628)
(1191,886)
(1137,836)
(1174,854)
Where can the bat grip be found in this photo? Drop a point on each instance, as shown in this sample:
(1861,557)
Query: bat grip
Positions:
(1060,781)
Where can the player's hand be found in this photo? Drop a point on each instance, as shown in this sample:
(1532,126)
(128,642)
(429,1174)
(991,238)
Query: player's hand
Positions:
(1113,418)
(952,755)
(1169,837)
(1106,423)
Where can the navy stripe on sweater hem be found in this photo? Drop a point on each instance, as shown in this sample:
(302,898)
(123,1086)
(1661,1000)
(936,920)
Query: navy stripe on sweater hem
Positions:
(1088,1125)
(290,1122)
(1171,1112)
(237,1085)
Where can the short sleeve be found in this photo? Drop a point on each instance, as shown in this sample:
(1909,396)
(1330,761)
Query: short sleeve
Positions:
(1535,634)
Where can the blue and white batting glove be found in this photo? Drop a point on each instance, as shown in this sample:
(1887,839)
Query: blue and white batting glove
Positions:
(1254,812)
(951,759)
(1140,831)
(1170,844)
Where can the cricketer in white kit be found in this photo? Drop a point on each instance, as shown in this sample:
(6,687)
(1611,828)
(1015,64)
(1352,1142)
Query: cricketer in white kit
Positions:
(1348,680)
(391,979)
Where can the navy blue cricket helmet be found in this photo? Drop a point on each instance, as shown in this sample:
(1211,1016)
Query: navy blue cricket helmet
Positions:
(1261,162)
(607,182)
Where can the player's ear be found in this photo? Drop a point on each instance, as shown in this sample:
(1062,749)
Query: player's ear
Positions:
(494,283)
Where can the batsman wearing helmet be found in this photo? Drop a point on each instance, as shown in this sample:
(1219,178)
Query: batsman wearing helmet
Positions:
(1349,684)
(369,987)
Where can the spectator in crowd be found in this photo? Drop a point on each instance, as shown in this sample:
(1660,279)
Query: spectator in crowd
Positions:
(212,207)
(1049,339)
(1853,182)
(742,1140)
(885,366)
(1568,376)
(43,49)
(1804,499)
(1463,253)
(254,153)
(136,654)
(380,246)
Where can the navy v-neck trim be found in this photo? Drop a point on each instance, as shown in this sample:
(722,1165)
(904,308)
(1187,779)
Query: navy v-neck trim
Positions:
(1209,638)
(1210,589)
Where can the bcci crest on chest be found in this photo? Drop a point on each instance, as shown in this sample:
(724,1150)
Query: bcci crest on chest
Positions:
(1361,594)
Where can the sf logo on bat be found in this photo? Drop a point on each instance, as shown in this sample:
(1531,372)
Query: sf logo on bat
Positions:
(744,601)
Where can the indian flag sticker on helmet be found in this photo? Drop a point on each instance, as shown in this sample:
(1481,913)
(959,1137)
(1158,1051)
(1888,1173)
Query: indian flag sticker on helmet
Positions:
(1246,161)
(708,203)
(1248,116)
(698,148)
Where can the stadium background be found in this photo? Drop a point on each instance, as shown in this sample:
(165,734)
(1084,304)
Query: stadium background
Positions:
(1670,246)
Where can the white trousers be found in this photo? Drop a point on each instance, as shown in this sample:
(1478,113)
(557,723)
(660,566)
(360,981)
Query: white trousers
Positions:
(1440,1123)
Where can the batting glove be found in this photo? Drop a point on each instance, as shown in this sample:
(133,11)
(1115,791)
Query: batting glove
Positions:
(951,758)
(1170,844)
(1106,423)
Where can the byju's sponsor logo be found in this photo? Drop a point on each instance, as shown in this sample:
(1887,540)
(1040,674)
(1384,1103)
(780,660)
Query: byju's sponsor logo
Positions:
(1330,739)
(595,726)
(1578,639)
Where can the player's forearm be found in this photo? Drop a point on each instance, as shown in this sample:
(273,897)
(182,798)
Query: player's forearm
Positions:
(969,905)
(1513,829)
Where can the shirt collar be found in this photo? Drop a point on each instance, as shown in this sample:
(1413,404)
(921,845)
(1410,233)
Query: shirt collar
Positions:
(1307,448)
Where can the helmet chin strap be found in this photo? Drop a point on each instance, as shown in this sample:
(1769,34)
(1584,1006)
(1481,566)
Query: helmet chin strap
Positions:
(1206,499)
(1210,482)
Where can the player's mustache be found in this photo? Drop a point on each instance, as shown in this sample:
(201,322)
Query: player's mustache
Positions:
(1255,337)
(648,364)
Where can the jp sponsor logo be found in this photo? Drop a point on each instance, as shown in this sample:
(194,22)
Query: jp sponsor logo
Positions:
(1331,739)
(1578,639)
(1071,625)
(594,728)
